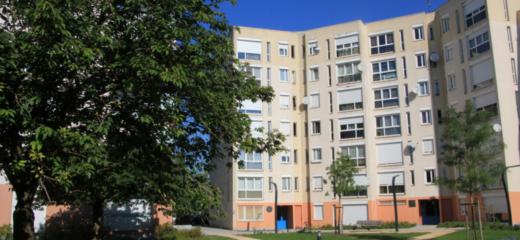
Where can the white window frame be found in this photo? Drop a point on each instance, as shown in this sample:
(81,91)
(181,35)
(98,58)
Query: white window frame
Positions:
(418,32)
(313,48)
(473,15)
(317,152)
(445,23)
(314,129)
(243,209)
(382,74)
(423,87)
(355,129)
(255,179)
(354,105)
(283,49)
(253,158)
(420,60)
(427,172)
(423,146)
(280,75)
(390,100)
(382,48)
(394,123)
(479,40)
(285,157)
(343,74)
(452,82)
(314,73)
(315,208)
(316,188)
(286,183)
(352,48)
(426,119)
(285,95)
(314,104)
(448,53)
(353,151)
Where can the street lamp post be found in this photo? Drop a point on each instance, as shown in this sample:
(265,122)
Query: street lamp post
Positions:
(275,206)
(395,203)
(507,193)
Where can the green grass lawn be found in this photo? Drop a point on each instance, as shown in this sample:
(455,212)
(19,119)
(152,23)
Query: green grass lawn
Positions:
(488,235)
(327,236)
(215,238)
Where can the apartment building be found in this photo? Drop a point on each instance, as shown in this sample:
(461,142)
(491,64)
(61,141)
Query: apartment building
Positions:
(376,92)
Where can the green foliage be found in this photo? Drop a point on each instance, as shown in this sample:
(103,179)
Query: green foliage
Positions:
(452,224)
(470,145)
(488,225)
(341,173)
(110,101)
(384,225)
(6,232)
(167,232)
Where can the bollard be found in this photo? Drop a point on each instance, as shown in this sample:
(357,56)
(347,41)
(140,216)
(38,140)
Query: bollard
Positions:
(318,237)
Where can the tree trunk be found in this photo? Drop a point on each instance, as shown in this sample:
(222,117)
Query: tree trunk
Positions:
(472,214)
(97,218)
(23,216)
(340,217)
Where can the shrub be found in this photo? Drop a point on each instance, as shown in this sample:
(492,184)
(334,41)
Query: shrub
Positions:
(451,224)
(167,232)
(6,232)
(385,225)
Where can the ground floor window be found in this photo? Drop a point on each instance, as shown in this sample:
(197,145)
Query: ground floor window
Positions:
(250,213)
(318,212)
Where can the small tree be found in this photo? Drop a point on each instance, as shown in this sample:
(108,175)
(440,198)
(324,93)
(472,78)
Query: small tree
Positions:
(470,146)
(341,174)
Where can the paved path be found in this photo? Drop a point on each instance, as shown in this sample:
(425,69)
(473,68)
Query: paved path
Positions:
(431,232)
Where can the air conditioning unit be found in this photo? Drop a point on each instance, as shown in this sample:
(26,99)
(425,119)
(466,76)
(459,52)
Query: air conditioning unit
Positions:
(317,49)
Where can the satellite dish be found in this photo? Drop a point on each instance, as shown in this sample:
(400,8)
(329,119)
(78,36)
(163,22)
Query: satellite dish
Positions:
(497,127)
(434,57)
(360,67)
(411,145)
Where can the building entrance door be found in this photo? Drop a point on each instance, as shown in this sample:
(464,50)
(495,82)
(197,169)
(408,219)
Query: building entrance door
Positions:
(429,211)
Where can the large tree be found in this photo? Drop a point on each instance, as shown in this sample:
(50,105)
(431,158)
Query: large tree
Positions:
(341,173)
(472,148)
(112,100)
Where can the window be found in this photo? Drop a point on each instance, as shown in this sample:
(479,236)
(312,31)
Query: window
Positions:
(478,44)
(457,18)
(255,72)
(401,34)
(250,188)
(315,100)
(384,70)
(390,153)
(451,82)
(293,53)
(329,74)
(251,107)
(313,48)
(506,10)
(418,33)
(318,212)
(386,97)
(268,51)
(356,154)
(285,157)
(286,184)
(347,46)
(251,161)
(284,75)
(513,68)
(316,127)
(427,146)
(482,73)
(421,60)
(296,184)
(432,34)
(350,99)
(314,74)
(361,183)
(424,88)
(437,88)
(409,122)
(295,156)
(429,176)
(284,101)
(331,129)
(351,128)
(317,183)
(445,24)
(316,155)
(486,102)
(348,72)
(474,12)
(283,49)
(405,68)
(509,39)
(250,213)
(270,161)
(448,53)
(412,177)
(388,125)
(249,50)
(382,43)
(426,117)
(385,182)
(330,103)
(461,51)
(285,128)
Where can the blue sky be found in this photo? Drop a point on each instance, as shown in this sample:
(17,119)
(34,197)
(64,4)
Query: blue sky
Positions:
(295,15)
